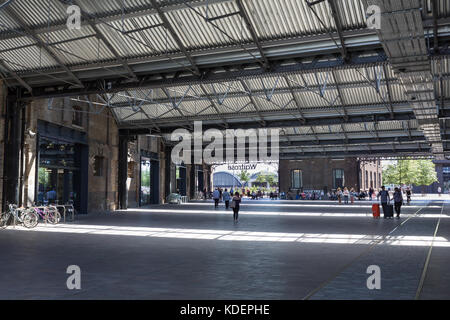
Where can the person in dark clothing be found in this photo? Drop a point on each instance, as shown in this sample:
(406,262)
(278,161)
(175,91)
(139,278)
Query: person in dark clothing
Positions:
(408,195)
(235,205)
(226,198)
(398,201)
(384,195)
(216,197)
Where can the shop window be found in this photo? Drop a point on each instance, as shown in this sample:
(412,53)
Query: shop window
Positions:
(446,179)
(77,116)
(98,166)
(296,179)
(338,178)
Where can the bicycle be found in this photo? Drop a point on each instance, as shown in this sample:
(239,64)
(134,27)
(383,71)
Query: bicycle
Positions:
(27,217)
(48,214)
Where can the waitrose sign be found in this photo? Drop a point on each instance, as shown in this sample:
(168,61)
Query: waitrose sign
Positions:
(241,167)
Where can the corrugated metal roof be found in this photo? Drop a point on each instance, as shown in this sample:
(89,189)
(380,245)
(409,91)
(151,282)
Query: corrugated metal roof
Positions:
(272,19)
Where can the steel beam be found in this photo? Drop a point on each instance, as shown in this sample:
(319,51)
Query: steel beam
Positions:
(118,84)
(108,44)
(338,23)
(253,33)
(253,100)
(175,36)
(32,34)
(225,122)
(16,76)
(170,125)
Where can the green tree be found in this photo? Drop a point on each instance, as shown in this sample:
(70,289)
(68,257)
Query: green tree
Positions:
(425,174)
(271,179)
(44,177)
(244,176)
(411,172)
(391,174)
(401,172)
(261,179)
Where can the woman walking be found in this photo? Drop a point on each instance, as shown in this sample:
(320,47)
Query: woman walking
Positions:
(235,205)
(346,195)
(398,201)
(352,196)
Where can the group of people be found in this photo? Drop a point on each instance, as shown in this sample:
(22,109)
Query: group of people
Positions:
(301,195)
(346,195)
(230,200)
(385,200)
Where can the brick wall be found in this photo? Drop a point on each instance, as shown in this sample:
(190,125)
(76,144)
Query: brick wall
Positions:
(374,176)
(102,135)
(318,173)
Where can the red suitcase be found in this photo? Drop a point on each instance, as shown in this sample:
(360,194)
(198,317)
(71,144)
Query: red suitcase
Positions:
(376,211)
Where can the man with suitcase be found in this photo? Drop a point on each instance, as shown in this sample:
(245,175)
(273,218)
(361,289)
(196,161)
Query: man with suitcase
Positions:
(388,210)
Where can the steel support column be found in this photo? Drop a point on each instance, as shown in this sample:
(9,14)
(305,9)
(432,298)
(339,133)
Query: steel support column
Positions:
(123,172)
(167,171)
(12,149)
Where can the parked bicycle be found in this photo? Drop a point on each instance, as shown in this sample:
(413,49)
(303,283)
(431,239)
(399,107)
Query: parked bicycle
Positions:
(28,218)
(48,214)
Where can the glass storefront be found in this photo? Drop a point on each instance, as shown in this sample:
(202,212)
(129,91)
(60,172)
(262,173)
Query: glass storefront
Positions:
(58,170)
(145,198)
(446,179)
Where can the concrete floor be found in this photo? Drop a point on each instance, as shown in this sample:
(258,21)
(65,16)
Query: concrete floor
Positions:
(279,250)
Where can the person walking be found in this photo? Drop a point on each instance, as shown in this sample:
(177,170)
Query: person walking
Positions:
(371,192)
(346,195)
(440,191)
(352,196)
(398,201)
(384,197)
(339,195)
(226,198)
(235,204)
(216,197)
(408,195)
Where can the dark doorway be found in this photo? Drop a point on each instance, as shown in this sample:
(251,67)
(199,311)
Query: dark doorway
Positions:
(200,182)
(181,180)
(154,181)
(149,193)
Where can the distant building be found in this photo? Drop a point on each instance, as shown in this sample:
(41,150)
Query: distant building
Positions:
(226,180)
(329,174)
